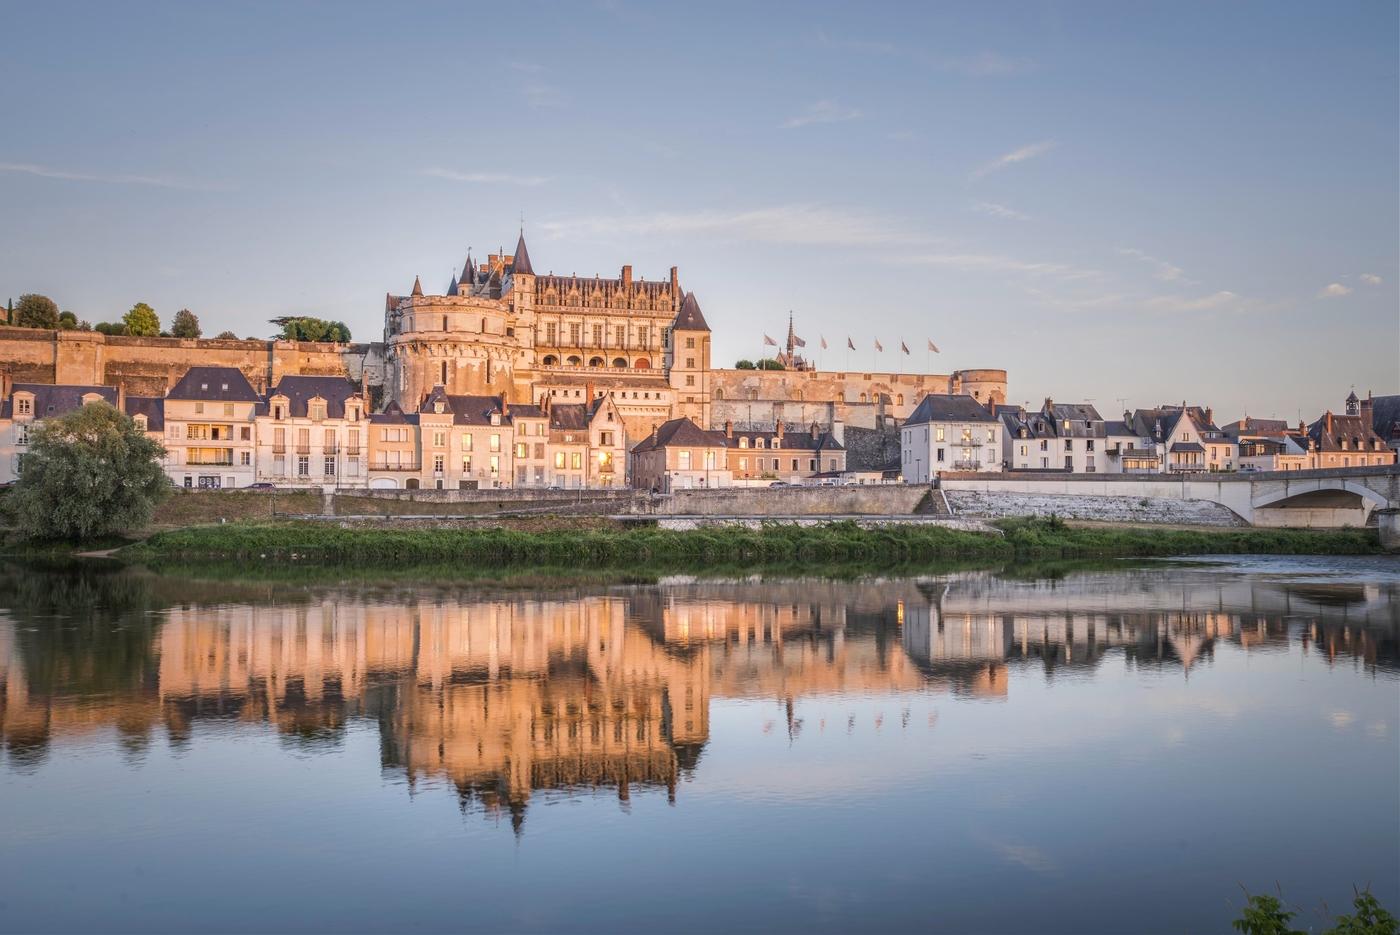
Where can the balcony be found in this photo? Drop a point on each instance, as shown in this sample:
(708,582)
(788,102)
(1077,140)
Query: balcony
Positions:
(352,452)
(414,467)
(967,465)
(303,449)
(198,461)
(279,449)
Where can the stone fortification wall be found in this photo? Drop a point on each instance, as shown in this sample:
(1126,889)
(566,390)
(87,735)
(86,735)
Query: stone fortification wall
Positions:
(149,366)
(871,449)
(870,500)
(862,399)
(996,505)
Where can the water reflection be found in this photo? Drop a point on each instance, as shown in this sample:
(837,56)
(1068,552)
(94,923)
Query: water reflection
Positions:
(506,694)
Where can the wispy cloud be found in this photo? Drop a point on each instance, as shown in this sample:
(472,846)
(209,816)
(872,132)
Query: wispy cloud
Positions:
(1371,279)
(487,178)
(821,112)
(1333,290)
(785,224)
(1015,156)
(1000,211)
(997,263)
(1164,271)
(157,181)
(1216,301)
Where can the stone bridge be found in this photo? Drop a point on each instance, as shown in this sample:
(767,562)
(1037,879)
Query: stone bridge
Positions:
(1325,497)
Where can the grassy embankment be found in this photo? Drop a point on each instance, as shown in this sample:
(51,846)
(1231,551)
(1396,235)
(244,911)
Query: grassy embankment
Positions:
(836,543)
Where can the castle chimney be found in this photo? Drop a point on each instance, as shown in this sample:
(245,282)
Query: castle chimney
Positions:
(588,392)
(1210,416)
(505,407)
(728,429)
(675,280)
(1329,421)
(780,430)
(627,277)
(6,383)
(816,432)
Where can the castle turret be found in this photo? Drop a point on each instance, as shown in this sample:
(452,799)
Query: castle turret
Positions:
(689,362)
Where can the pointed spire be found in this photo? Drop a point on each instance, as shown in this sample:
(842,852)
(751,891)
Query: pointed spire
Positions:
(690,317)
(522,257)
(417,287)
(468,273)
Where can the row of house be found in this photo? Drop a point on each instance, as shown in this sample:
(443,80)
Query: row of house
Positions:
(311,431)
(320,432)
(958,433)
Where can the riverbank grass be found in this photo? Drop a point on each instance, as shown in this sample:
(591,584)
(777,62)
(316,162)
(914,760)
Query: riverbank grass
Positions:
(317,543)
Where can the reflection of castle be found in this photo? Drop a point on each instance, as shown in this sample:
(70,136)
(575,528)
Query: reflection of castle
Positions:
(505,696)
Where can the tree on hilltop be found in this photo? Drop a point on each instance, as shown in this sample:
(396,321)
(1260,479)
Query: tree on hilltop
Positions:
(303,328)
(35,311)
(141,321)
(185,324)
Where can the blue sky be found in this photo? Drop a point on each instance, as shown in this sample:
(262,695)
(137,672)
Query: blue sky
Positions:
(1112,201)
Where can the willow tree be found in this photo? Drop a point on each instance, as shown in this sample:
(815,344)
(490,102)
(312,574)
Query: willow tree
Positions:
(87,474)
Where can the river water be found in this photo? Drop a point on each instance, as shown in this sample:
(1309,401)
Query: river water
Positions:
(1098,749)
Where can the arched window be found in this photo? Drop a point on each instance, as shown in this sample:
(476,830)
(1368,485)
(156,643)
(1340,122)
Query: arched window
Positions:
(411,483)
(444,323)
(575,360)
(642,364)
(595,361)
(718,394)
(862,397)
(900,399)
(550,360)
(620,362)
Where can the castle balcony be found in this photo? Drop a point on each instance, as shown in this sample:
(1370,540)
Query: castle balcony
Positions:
(609,370)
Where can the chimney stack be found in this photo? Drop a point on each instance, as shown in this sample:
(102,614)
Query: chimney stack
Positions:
(627,277)
(1210,416)
(588,391)
(505,407)
(728,429)
(1329,421)
(779,433)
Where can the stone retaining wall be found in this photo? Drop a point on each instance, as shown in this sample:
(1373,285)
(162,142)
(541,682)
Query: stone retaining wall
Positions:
(869,500)
(1090,507)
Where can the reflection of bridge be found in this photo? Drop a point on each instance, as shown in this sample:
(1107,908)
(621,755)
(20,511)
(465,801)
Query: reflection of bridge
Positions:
(1325,497)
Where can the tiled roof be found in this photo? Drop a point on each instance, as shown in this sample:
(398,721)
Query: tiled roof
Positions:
(57,399)
(681,432)
(938,408)
(220,384)
(1192,447)
(690,318)
(152,407)
(1252,426)
(301,390)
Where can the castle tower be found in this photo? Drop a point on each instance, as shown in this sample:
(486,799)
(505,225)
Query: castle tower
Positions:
(689,362)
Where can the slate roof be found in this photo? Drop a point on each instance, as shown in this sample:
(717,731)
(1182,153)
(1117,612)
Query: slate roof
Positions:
(520,263)
(690,318)
(393,415)
(152,407)
(300,390)
(937,408)
(219,384)
(1252,426)
(1015,419)
(681,431)
(1385,416)
(417,287)
(1116,427)
(56,399)
(793,439)
(1192,447)
(1356,431)
(468,277)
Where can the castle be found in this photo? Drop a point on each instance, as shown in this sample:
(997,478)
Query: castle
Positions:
(500,328)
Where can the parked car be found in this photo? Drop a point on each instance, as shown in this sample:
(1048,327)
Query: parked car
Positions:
(261,485)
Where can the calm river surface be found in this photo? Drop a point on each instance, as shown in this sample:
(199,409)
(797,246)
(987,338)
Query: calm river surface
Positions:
(1098,750)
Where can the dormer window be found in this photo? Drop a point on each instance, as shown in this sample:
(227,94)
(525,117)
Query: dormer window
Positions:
(204,386)
(318,410)
(437,407)
(224,387)
(24,405)
(495,418)
(279,412)
(743,442)
(140,423)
